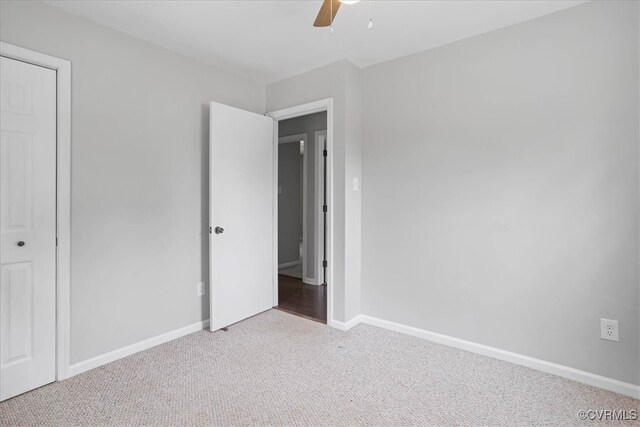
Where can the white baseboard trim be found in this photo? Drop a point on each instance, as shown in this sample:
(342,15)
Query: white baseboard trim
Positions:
(584,377)
(289,264)
(103,359)
(345,326)
(310,281)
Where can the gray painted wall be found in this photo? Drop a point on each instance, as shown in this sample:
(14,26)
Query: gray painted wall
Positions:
(308,124)
(139,175)
(501,196)
(289,202)
(353,211)
(340,81)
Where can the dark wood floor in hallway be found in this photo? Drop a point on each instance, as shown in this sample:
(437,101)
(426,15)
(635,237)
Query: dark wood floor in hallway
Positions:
(296,297)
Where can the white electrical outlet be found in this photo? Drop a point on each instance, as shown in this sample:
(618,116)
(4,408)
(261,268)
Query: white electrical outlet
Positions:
(201,289)
(609,330)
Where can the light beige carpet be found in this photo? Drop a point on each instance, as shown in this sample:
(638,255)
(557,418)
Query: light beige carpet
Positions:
(278,369)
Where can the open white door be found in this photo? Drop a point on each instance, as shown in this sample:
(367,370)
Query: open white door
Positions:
(240,215)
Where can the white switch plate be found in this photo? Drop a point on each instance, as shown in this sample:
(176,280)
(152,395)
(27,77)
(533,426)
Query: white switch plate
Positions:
(356,184)
(609,330)
(201,289)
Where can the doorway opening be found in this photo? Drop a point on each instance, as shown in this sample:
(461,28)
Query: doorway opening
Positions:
(302,216)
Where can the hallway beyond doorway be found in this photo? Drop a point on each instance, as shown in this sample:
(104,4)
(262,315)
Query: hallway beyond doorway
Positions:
(303,300)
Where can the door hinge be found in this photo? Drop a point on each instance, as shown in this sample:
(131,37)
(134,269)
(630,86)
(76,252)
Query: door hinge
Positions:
(324,153)
(209,230)
(324,263)
(324,208)
(56,242)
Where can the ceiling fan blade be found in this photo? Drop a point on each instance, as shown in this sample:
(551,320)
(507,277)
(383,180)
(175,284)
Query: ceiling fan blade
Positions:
(327,13)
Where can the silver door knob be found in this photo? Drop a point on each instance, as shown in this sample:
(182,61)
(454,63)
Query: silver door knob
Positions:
(218,230)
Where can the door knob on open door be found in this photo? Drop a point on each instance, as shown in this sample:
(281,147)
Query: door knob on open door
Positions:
(218,230)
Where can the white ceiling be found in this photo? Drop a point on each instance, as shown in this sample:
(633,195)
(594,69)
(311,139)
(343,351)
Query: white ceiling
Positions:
(270,40)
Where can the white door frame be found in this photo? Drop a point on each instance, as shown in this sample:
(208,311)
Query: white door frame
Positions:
(62,67)
(296,138)
(319,201)
(289,113)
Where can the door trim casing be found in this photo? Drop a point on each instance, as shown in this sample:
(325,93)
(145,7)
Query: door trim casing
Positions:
(319,201)
(62,67)
(289,113)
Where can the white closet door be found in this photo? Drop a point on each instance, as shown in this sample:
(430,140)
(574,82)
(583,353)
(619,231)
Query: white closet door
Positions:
(27,227)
